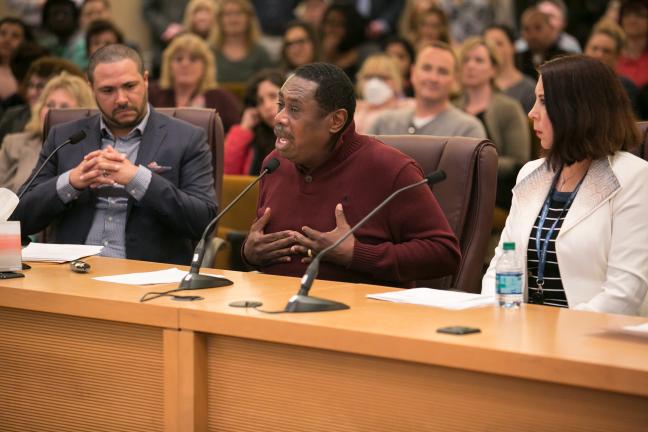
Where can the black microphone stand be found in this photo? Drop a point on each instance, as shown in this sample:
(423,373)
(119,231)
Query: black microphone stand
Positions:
(302,302)
(195,280)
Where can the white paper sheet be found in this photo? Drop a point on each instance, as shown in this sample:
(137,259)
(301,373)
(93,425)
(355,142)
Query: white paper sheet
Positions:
(637,330)
(46,252)
(172,275)
(437,298)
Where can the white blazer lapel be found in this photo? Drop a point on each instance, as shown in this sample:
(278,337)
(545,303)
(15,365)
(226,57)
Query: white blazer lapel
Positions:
(599,185)
(531,193)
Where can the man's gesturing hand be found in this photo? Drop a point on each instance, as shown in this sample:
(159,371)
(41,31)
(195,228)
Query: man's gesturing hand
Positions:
(263,249)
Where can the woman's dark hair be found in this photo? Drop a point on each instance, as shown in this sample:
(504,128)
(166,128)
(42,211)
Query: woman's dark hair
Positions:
(312,35)
(411,53)
(354,24)
(264,137)
(508,31)
(49,4)
(102,26)
(590,112)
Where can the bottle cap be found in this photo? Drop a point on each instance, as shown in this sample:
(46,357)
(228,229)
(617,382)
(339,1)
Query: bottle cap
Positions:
(509,246)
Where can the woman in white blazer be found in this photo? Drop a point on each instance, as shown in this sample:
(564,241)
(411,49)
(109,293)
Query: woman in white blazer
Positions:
(580,215)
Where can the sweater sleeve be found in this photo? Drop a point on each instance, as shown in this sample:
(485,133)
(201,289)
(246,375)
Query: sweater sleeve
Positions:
(237,149)
(424,245)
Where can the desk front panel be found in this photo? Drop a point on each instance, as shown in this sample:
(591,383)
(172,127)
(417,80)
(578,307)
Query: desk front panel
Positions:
(66,373)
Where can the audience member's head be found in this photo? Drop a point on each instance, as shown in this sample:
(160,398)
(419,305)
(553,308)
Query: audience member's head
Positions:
(188,62)
(379,79)
(410,15)
(300,45)
(312,12)
(61,18)
(200,18)
(537,30)
(556,10)
(342,27)
(502,39)
(262,92)
(62,91)
(633,18)
(120,85)
(13,32)
(478,63)
(101,33)
(41,71)
(325,99)
(401,50)
(434,73)
(236,18)
(431,26)
(93,10)
(605,43)
(582,111)
(26,54)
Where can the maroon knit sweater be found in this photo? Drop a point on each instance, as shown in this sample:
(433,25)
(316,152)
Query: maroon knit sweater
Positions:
(409,239)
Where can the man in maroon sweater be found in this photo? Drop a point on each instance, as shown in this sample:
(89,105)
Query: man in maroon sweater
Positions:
(330,177)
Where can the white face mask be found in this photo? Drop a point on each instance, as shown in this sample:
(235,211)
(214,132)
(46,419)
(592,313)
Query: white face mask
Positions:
(376,91)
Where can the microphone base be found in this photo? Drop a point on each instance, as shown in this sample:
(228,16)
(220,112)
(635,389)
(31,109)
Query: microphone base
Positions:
(200,281)
(302,303)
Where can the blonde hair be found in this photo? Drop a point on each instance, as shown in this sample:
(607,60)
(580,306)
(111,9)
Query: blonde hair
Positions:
(77,87)
(194,6)
(253,32)
(194,45)
(611,30)
(383,63)
(477,41)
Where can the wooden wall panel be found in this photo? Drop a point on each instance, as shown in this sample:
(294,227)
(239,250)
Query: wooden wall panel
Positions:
(256,386)
(78,374)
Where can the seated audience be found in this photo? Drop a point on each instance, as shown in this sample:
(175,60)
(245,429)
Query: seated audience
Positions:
(200,19)
(556,10)
(605,44)
(248,143)
(238,52)
(579,214)
(633,62)
(502,116)
(13,32)
(330,170)
(509,79)
(19,151)
(434,76)
(541,39)
(431,25)
(140,183)
(343,38)
(91,11)
(38,74)
(61,31)
(403,53)
(380,88)
(101,33)
(187,80)
(300,46)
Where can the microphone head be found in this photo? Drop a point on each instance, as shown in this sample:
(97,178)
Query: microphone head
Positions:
(77,137)
(272,165)
(435,177)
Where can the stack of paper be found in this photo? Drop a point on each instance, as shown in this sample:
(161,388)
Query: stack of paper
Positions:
(172,275)
(46,252)
(437,298)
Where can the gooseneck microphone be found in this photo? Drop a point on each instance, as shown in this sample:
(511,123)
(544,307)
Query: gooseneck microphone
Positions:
(195,280)
(301,302)
(75,138)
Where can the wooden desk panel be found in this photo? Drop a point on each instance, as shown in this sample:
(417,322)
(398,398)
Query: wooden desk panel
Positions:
(65,373)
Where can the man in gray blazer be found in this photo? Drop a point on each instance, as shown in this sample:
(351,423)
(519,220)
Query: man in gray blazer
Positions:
(140,183)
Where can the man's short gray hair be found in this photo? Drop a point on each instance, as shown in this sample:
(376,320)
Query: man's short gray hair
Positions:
(112,54)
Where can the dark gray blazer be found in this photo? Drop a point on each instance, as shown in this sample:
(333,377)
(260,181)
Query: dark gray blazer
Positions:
(171,216)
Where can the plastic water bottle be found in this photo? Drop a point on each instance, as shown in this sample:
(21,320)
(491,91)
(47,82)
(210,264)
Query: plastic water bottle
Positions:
(508,278)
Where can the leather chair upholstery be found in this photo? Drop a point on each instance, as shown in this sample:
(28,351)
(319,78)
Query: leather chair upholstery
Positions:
(206,119)
(467,196)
